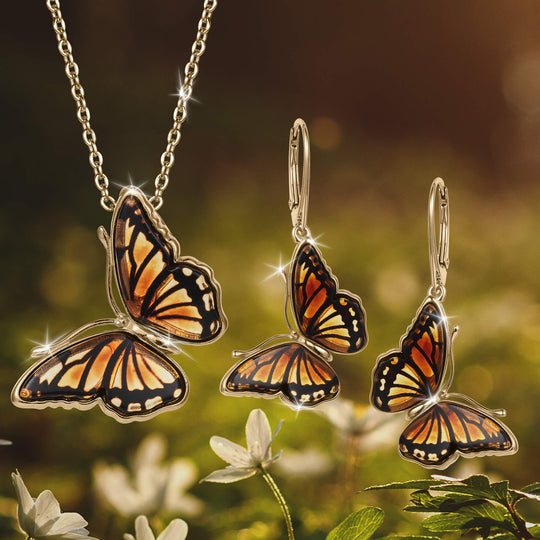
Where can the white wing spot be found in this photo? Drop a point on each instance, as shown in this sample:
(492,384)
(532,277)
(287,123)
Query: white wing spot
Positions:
(208,302)
(153,402)
(187,271)
(51,373)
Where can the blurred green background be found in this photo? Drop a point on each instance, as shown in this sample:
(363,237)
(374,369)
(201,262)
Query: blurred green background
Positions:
(394,94)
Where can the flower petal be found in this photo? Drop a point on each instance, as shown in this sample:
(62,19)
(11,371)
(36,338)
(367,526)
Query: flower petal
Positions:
(128,536)
(258,435)
(176,530)
(47,512)
(231,452)
(142,529)
(150,451)
(181,474)
(68,522)
(80,534)
(25,506)
(230,474)
(113,486)
(268,456)
(186,505)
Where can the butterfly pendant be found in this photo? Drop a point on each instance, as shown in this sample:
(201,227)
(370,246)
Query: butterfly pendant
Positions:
(167,300)
(328,320)
(414,378)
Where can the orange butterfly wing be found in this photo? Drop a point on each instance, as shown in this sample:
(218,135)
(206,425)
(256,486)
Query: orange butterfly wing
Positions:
(334,319)
(129,377)
(405,378)
(447,429)
(177,299)
(288,369)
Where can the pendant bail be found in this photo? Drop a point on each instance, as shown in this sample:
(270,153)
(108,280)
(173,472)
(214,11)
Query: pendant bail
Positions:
(299,184)
(438,249)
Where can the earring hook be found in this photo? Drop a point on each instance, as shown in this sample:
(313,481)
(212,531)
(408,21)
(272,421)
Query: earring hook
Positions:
(438,249)
(299,184)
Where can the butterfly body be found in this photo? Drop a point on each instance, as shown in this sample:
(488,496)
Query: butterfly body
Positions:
(328,320)
(414,378)
(167,299)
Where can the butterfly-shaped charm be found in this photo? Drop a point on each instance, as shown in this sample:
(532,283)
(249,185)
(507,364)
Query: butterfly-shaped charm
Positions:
(411,378)
(328,320)
(168,300)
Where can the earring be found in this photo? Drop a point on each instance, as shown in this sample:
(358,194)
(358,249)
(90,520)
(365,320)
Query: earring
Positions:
(417,376)
(328,319)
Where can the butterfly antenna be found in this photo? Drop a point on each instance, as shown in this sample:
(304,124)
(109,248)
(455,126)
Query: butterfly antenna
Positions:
(479,407)
(450,364)
(286,313)
(109,268)
(259,347)
(66,339)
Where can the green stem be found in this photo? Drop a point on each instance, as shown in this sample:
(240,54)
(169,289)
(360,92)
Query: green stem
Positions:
(524,534)
(281,501)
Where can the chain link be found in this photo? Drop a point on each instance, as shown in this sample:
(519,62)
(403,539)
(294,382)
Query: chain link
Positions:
(179,114)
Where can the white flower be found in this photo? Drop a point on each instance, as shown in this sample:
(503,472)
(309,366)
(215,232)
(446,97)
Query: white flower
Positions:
(176,530)
(245,462)
(153,486)
(310,462)
(369,428)
(42,518)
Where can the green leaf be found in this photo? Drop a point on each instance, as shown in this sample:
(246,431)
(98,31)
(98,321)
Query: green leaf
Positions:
(467,490)
(478,481)
(532,488)
(517,495)
(358,526)
(411,484)
(501,490)
(483,516)
(476,486)
(535,532)
(424,501)
(446,522)
(409,538)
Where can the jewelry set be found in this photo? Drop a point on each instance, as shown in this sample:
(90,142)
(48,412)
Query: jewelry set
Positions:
(163,299)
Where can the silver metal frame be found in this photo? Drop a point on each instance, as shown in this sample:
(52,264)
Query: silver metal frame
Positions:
(439,260)
(439,263)
(298,206)
(123,321)
(299,184)
(161,227)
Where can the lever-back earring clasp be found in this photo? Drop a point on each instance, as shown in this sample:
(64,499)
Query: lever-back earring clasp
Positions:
(299,184)
(438,250)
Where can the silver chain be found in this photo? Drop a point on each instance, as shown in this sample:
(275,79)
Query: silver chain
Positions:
(179,114)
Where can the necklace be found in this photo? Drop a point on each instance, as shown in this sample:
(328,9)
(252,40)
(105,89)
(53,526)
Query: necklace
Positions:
(167,299)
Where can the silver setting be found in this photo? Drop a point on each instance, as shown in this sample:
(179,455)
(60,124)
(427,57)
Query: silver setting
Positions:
(123,321)
(161,227)
(439,263)
(298,205)
(438,250)
(299,183)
